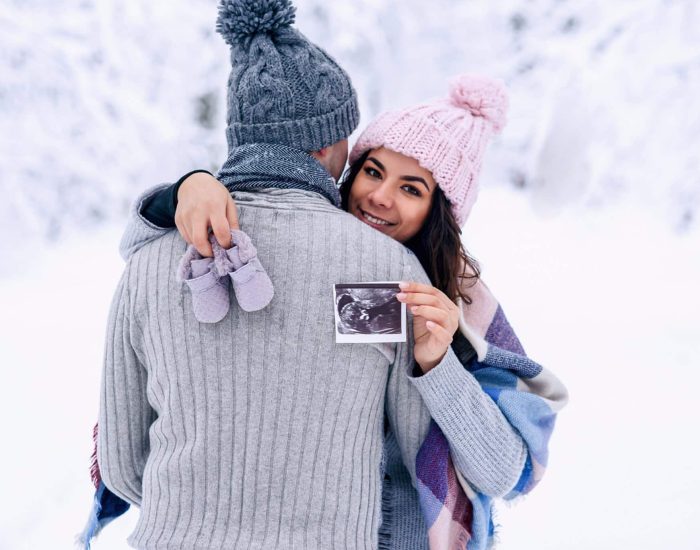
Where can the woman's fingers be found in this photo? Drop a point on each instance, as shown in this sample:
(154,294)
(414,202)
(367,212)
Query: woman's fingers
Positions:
(200,237)
(419,299)
(434,314)
(221,229)
(204,203)
(443,336)
(410,288)
(182,228)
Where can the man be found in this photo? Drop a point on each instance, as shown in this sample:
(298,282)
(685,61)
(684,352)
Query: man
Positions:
(259,431)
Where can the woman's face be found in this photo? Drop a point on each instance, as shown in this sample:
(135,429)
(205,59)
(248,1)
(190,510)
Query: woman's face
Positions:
(392,193)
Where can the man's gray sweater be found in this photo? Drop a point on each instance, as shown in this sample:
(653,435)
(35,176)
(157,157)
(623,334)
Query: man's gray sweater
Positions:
(260,431)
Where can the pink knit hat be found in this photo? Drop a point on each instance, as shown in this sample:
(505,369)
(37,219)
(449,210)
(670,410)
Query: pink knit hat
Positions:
(447,137)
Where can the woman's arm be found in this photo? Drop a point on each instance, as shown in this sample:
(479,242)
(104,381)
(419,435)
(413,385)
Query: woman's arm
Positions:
(194,204)
(484,447)
(478,400)
(529,395)
(518,391)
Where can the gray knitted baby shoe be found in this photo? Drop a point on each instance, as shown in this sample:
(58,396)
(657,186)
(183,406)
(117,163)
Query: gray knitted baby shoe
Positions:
(251,283)
(210,293)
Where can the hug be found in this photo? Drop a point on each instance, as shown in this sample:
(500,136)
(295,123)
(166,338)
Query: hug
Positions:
(228,414)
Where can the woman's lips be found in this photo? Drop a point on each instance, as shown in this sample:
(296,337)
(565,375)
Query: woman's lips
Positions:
(374,221)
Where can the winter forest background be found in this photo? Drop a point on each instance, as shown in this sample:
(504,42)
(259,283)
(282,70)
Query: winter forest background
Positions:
(587,226)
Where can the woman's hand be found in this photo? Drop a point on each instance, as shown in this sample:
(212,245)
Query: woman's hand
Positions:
(204,202)
(435,320)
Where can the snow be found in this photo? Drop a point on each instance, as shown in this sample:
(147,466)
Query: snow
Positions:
(586,227)
(604,298)
(101,99)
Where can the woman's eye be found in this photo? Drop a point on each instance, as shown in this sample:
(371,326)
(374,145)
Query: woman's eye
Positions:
(372,173)
(412,190)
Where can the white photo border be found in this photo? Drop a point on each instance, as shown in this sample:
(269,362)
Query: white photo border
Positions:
(369,338)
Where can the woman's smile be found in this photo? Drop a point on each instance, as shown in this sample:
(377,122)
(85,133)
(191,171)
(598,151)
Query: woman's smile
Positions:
(374,221)
(392,193)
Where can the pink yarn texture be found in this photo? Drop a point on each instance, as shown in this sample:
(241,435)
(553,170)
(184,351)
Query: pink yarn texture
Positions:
(447,136)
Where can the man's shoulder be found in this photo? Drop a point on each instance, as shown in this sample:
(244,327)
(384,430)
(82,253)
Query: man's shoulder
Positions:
(410,266)
(161,249)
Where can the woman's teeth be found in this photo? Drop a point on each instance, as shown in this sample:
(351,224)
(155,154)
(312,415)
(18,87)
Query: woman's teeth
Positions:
(374,220)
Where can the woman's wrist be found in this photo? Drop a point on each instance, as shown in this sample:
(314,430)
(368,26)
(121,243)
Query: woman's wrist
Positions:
(427,365)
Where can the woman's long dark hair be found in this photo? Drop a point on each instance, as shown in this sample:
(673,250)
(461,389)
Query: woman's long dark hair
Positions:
(437,245)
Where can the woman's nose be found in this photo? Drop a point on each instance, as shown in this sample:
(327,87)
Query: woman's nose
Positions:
(382,196)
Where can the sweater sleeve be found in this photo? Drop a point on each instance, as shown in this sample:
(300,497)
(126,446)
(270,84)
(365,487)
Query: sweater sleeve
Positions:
(139,231)
(125,414)
(152,215)
(484,446)
(528,395)
(405,411)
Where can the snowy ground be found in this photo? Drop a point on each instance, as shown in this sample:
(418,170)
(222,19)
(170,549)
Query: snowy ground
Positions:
(98,99)
(605,298)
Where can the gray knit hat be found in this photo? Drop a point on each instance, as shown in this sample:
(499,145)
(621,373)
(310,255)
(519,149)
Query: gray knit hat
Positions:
(283,89)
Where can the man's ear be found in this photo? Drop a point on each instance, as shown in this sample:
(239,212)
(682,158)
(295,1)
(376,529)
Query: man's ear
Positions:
(322,153)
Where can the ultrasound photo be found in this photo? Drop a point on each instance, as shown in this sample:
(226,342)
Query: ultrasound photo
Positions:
(369,312)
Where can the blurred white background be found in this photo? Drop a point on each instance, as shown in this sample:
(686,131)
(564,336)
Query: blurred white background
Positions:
(587,227)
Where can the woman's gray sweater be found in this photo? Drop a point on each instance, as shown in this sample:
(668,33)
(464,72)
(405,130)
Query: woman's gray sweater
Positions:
(260,431)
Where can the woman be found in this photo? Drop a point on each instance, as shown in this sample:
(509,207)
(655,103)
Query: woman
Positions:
(414,176)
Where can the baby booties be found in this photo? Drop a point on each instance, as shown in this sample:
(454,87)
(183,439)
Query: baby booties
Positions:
(208,278)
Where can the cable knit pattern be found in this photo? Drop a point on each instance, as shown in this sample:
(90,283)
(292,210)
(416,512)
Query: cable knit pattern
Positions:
(447,137)
(282,89)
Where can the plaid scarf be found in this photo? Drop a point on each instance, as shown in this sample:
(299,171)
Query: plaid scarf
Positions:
(529,396)
(457,515)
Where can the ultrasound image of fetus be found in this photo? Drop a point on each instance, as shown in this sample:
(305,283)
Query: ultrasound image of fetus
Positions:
(368,311)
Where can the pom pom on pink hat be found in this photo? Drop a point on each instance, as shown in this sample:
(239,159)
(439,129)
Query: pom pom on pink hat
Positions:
(447,136)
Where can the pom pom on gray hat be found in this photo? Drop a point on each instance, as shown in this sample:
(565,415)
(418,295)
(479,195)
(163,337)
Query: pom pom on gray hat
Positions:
(239,20)
(285,90)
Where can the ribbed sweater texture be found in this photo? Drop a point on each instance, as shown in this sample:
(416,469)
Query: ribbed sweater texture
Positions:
(260,431)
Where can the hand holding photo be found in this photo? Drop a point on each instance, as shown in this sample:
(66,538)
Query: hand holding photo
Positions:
(368,312)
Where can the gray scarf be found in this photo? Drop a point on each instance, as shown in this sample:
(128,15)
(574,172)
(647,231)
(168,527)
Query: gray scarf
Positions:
(263,166)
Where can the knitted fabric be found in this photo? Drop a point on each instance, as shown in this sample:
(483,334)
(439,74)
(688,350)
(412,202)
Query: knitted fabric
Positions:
(448,136)
(473,433)
(455,511)
(282,89)
(208,278)
(263,166)
(267,433)
(249,168)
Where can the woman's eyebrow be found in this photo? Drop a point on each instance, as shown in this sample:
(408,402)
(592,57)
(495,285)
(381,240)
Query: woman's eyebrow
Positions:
(379,164)
(405,178)
(416,178)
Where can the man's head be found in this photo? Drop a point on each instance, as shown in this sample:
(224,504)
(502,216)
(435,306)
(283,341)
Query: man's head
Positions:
(283,89)
(333,158)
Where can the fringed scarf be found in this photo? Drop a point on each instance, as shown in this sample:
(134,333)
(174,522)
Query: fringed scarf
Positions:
(457,516)
(528,395)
